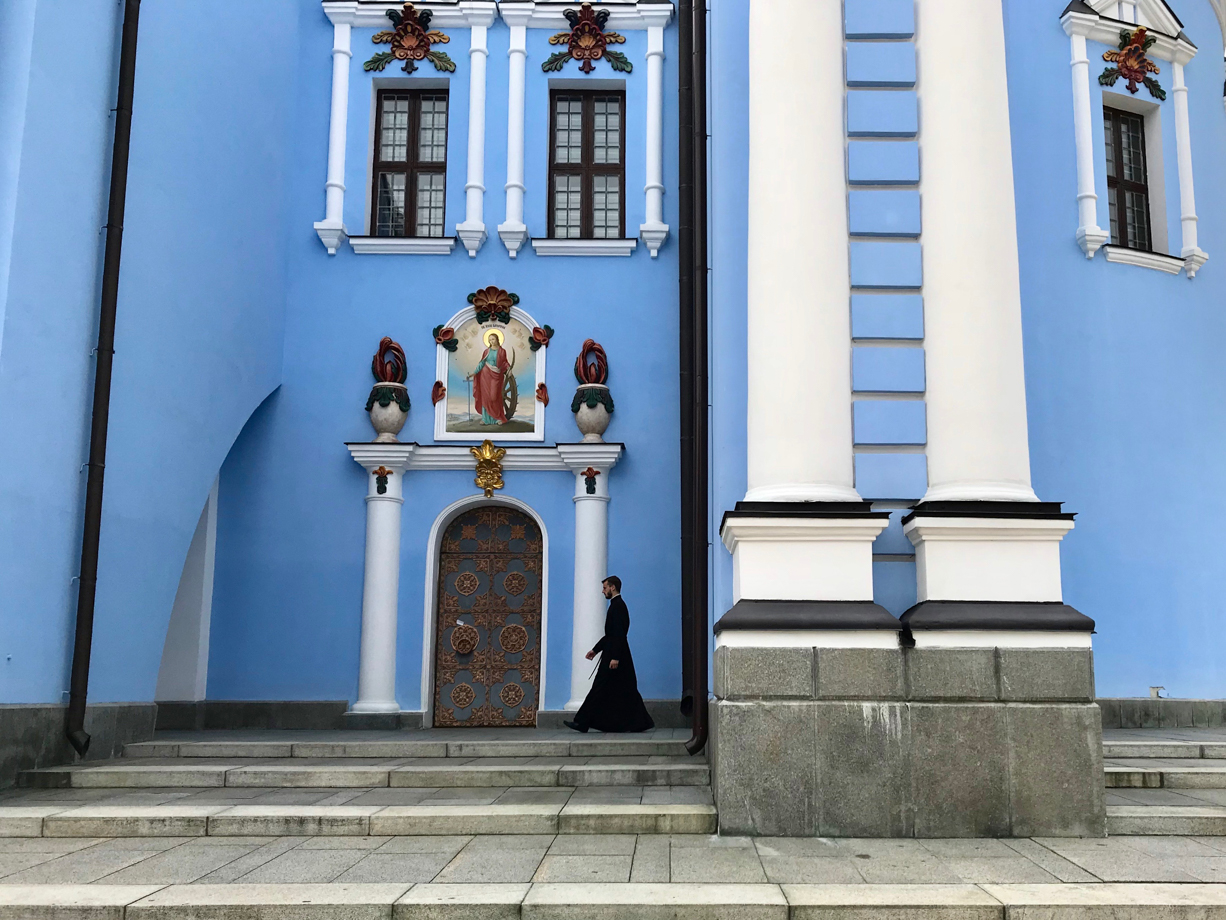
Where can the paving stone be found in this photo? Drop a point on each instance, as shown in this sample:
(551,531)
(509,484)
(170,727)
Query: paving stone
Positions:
(811,870)
(231,872)
(466,819)
(651,859)
(733,865)
(78,868)
(59,902)
(395,867)
(133,821)
(1168,847)
(17,845)
(235,749)
(11,863)
(461,902)
(268,902)
(177,866)
(300,866)
(532,796)
(370,749)
(150,749)
(475,775)
(340,843)
(482,796)
(483,867)
(25,820)
(308,776)
(508,748)
(450,845)
(1084,902)
(277,821)
(393,797)
(136,775)
(608,868)
(914,902)
(1112,860)
(1126,820)
(1017,870)
(695,774)
(654,902)
(916,868)
(798,847)
(593,845)
(1050,862)
(636,819)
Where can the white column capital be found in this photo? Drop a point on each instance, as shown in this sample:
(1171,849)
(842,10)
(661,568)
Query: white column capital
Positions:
(479,13)
(372,455)
(600,456)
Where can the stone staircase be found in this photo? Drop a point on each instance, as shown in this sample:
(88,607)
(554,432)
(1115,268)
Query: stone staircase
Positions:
(1166,786)
(432,783)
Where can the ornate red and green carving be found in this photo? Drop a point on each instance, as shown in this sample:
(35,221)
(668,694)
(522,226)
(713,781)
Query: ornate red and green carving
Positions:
(445,336)
(586,42)
(492,303)
(411,42)
(390,370)
(1132,64)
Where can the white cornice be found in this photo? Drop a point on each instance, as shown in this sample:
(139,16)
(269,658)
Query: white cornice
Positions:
(799,530)
(1107,31)
(1153,14)
(550,247)
(992,530)
(623,15)
(1155,260)
(403,245)
(447,14)
(412,456)
(580,456)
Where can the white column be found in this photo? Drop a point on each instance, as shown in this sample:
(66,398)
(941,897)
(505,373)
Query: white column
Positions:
(512,231)
(977,440)
(654,231)
(385,465)
(1193,256)
(591,555)
(472,231)
(331,229)
(799,337)
(1090,237)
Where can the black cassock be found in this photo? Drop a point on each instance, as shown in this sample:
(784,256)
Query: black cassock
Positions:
(613,704)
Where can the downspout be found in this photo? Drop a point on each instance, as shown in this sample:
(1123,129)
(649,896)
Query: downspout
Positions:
(88,583)
(692,243)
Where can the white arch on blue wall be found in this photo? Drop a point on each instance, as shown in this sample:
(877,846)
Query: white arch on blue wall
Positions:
(434,548)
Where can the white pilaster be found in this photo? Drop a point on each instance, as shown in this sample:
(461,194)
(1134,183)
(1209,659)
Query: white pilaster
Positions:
(385,465)
(977,439)
(512,231)
(1090,237)
(472,231)
(331,229)
(654,231)
(591,555)
(799,420)
(1194,257)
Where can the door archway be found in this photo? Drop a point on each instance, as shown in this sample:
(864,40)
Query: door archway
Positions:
(487,648)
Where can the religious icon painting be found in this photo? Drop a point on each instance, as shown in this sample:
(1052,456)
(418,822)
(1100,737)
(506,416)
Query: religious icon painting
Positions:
(491,367)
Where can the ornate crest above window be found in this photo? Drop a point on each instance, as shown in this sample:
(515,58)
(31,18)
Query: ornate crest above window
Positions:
(1132,64)
(410,41)
(587,41)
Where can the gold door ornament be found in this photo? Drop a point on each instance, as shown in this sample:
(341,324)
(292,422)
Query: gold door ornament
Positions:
(489,467)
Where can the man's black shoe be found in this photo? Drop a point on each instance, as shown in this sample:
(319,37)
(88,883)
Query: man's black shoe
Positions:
(576,727)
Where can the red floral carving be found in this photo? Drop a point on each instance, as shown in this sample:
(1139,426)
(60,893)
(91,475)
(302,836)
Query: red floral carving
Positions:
(445,334)
(542,393)
(389,365)
(438,392)
(592,365)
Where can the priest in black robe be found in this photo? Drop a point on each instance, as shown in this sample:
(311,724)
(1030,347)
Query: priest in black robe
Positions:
(613,704)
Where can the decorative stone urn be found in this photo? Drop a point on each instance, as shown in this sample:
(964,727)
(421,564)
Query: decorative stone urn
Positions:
(593,403)
(388,403)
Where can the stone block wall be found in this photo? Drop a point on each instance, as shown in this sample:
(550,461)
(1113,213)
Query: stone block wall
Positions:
(907,742)
(1145,712)
(32,736)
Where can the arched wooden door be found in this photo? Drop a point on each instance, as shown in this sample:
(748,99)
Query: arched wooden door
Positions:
(487,657)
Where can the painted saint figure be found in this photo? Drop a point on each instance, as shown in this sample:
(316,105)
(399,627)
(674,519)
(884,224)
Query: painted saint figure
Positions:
(489,380)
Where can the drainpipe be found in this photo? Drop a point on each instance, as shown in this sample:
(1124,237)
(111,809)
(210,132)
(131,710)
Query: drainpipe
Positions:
(88,583)
(692,245)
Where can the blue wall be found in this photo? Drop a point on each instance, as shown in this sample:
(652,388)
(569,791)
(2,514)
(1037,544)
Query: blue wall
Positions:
(287,601)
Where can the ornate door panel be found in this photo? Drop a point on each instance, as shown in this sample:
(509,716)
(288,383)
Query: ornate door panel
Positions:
(487,659)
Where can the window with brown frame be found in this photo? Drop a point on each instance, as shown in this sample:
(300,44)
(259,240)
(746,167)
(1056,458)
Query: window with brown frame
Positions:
(409,187)
(587,164)
(1127,182)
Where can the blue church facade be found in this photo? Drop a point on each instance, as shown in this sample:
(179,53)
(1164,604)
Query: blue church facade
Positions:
(256,285)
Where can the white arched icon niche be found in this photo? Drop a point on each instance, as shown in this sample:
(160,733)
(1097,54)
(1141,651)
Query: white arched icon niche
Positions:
(440,374)
(429,630)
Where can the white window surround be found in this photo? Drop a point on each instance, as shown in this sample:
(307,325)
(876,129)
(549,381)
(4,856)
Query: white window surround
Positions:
(475,15)
(521,15)
(1155,165)
(1084,22)
(550,247)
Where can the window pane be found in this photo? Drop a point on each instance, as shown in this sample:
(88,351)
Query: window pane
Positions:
(567,207)
(1109,140)
(394,129)
(568,129)
(430,204)
(607,142)
(1137,208)
(432,131)
(606,207)
(389,219)
(1132,147)
(1115,218)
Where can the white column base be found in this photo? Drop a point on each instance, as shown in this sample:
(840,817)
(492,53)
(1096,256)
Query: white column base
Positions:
(1193,259)
(332,234)
(1092,239)
(375,706)
(987,559)
(653,237)
(802,558)
(514,236)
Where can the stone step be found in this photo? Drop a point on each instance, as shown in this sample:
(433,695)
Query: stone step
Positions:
(628,901)
(569,745)
(348,773)
(1179,750)
(228,820)
(1162,820)
(1136,773)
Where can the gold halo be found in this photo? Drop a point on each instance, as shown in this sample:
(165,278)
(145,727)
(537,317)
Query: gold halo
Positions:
(498,333)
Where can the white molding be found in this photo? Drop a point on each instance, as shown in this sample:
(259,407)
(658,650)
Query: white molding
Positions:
(403,245)
(512,231)
(578,457)
(1107,32)
(1090,237)
(1000,638)
(653,231)
(549,247)
(1193,256)
(440,369)
(543,14)
(448,14)
(1155,260)
(472,231)
(331,229)
(560,458)
(802,559)
(1193,259)
(430,607)
(374,454)
(1153,14)
(807,638)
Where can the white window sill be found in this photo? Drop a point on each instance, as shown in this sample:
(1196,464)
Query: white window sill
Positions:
(403,245)
(548,247)
(1158,261)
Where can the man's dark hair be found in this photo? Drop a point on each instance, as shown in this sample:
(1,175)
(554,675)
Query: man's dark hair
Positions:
(615,582)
